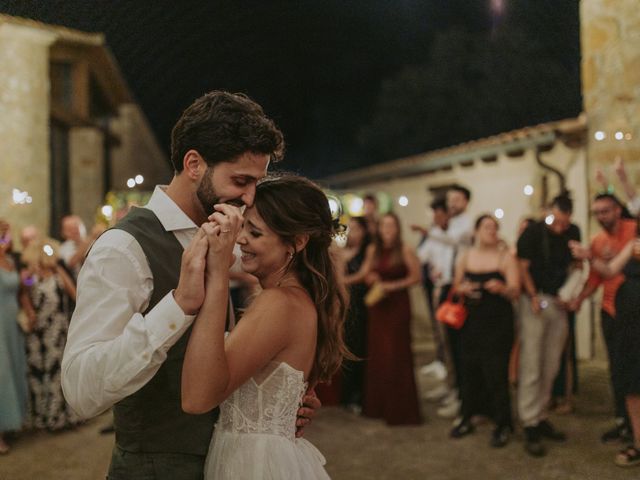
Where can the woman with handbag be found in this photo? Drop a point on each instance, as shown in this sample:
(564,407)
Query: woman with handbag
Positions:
(390,267)
(487,277)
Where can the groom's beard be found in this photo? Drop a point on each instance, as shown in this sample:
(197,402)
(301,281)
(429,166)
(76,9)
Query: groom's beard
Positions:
(208,197)
(206,194)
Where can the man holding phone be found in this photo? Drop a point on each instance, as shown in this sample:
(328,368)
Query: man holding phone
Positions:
(545,258)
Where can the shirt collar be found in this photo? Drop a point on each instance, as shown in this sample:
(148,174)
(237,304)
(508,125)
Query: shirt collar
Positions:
(168,212)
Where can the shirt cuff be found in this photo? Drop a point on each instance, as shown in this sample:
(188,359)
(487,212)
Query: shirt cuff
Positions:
(166,323)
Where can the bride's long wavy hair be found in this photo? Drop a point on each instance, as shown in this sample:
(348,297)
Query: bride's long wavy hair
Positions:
(292,205)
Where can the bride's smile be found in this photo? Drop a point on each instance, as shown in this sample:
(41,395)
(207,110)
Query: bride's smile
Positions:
(264,254)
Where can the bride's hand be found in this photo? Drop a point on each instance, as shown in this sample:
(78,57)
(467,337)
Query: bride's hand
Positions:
(222,229)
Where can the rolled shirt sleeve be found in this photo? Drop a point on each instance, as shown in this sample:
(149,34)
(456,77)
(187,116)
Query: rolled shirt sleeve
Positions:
(112,349)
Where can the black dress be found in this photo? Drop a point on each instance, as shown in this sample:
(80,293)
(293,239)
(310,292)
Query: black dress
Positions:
(628,314)
(355,337)
(485,343)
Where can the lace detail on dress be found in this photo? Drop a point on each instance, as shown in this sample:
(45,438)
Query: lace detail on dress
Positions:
(268,404)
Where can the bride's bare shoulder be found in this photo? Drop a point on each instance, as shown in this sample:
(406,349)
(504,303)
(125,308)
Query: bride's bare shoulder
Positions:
(282,304)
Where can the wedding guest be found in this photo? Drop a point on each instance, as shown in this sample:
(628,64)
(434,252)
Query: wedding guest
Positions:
(615,234)
(487,276)
(544,259)
(628,363)
(390,387)
(358,240)
(76,242)
(370,213)
(13,365)
(51,296)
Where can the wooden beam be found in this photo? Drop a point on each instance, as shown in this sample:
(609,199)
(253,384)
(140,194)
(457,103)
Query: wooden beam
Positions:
(108,77)
(81,92)
(70,119)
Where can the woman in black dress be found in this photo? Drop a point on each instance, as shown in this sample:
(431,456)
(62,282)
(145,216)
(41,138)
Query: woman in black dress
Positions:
(487,276)
(356,324)
(628,349)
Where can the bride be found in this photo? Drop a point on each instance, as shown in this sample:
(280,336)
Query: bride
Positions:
(290,337)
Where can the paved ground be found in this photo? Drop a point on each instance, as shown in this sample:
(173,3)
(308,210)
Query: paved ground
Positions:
(358,448)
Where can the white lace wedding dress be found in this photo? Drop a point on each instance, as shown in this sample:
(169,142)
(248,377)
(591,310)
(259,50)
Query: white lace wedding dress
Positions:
(255,435)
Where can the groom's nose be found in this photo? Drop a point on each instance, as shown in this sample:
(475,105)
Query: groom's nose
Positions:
(249,196)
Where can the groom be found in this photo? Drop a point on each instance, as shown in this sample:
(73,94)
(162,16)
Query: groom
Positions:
(142,285)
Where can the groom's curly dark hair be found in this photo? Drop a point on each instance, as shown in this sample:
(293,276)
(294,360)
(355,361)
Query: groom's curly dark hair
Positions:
(220,126)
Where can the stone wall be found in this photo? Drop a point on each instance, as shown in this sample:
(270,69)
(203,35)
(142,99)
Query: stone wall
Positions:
(24,124)
(86,178)
(610,35)
(138,152)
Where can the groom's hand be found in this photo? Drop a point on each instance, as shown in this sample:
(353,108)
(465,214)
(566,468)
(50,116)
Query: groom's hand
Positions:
(310,403)
(229,217)
(189,294)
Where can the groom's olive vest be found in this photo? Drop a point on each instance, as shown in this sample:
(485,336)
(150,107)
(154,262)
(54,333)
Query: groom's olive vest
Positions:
(151,420)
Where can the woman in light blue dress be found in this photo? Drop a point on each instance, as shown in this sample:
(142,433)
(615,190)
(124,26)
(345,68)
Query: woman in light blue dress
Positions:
(13,363)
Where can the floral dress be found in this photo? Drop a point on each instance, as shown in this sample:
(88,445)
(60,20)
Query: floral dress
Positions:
(45,346)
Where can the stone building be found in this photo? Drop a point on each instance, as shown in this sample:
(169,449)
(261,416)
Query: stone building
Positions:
(511,175)
(610,38)
(545,157)
(70,130)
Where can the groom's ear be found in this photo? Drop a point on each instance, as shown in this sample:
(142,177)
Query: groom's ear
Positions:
(194,165)
(301,241)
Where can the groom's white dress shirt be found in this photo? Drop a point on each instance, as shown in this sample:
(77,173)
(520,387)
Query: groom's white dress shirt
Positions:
(112,349)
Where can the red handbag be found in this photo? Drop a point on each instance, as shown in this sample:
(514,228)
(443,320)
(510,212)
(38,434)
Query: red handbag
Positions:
(452,313)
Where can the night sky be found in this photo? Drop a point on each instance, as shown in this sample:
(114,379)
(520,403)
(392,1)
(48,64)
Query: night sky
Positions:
(332,72)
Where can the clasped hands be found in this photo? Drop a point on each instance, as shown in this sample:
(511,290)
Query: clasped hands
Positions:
(211,251)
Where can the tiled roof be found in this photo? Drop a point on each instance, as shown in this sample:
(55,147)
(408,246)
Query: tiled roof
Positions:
(572,131)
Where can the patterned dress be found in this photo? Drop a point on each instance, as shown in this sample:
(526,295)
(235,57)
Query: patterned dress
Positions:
(45,345)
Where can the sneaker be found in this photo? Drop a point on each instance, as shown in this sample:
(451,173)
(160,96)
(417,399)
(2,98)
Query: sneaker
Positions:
(533,442)
(449,398)
(354,408)
(619,433)
(449,409)
(548,431)
(438,393)
(500,436)
(436,369)
(462,429)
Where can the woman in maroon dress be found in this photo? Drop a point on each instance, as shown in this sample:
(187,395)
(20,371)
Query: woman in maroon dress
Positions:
(390,387)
